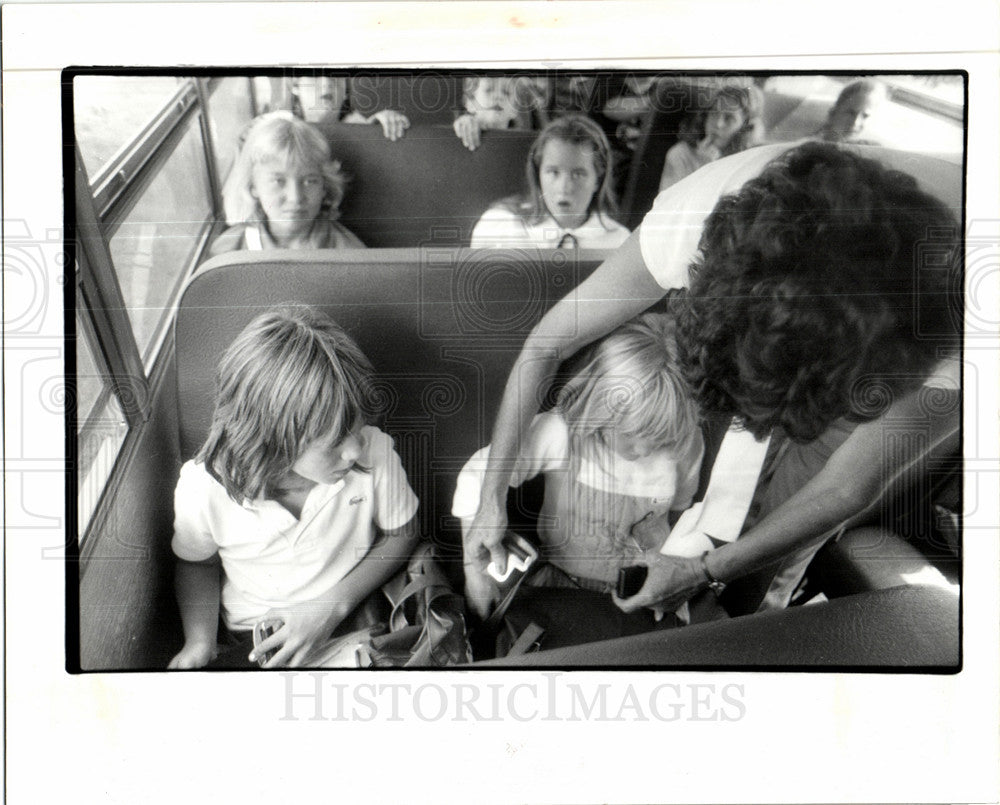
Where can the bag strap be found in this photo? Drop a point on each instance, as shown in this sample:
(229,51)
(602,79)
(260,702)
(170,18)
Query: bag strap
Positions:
(397,619)
(526,640)
(421,573)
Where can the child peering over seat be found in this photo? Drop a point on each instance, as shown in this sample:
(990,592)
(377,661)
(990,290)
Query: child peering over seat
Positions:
(284,191)
(499,102)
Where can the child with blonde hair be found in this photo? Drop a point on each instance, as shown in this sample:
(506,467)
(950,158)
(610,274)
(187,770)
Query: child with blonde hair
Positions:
(622,446)
(849,115)
(284,191)
(303,502)
(731,123)
(499,102)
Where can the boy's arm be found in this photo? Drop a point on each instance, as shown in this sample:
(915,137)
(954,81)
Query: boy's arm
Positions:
(390,551)
(198,589)
(305,625)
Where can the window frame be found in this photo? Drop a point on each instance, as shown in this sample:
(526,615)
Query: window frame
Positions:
(101,205)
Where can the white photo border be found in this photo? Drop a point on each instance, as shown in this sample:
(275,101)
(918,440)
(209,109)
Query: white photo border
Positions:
(778,737)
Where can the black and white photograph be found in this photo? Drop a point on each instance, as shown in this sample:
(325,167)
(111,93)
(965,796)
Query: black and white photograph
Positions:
(588,417)
(714,320)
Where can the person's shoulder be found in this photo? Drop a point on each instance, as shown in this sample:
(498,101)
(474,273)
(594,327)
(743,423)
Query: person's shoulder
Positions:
(194,472)
(379,446)
(500,225)
(550,429)
(501,212)
(340,237)
(698,191)
(610,225)
(936,175)
(196,485)
(230,240)
(679,151)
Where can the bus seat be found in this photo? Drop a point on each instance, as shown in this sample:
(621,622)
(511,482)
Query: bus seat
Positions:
(874,558)
(426,185)
(911,627)
(425,98)
(442,327)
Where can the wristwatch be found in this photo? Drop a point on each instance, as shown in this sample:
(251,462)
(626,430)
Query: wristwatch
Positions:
(714,584)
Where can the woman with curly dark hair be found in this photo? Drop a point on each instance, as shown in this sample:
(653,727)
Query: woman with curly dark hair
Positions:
(823,294)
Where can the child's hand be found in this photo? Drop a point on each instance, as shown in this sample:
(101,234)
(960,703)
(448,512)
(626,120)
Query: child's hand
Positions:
(481,591)
(193,655)
(394,124)
(467,128)
(708,150)
(303,627)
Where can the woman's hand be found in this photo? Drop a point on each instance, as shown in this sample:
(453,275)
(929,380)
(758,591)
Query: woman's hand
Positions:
(303,627)
(481,591)
(394,124)
(671,581)
(482,542)
(194,655)
(467,128)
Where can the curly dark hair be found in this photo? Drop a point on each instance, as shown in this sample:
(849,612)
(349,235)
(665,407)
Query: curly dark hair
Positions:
(807,290)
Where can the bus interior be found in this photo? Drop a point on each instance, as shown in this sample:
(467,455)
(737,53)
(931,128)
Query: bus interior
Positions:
(146,162)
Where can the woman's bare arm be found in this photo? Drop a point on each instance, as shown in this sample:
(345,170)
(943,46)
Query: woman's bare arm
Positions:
(878,457)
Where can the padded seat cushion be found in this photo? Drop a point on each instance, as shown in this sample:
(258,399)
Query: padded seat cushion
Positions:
(912,627)
(426,187)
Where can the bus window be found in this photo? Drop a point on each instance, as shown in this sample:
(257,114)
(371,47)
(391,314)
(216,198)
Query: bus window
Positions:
(913,113)
(111,112)
(229,111)
(152,153)
(155,241)
(101,425)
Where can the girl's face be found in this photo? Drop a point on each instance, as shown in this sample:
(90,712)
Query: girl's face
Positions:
(290,193)
(723,121)
(568,180)
(327,460)
(848,119)
(631,448)
(493,103)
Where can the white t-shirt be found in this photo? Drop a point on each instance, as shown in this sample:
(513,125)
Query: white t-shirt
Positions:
(271,559)
(671,230)
(591,503)
(500,227)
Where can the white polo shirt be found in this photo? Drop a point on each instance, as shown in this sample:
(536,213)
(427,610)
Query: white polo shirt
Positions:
(270,558)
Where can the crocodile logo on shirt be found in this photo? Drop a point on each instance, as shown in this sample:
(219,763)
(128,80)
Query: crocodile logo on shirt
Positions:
(356,500)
